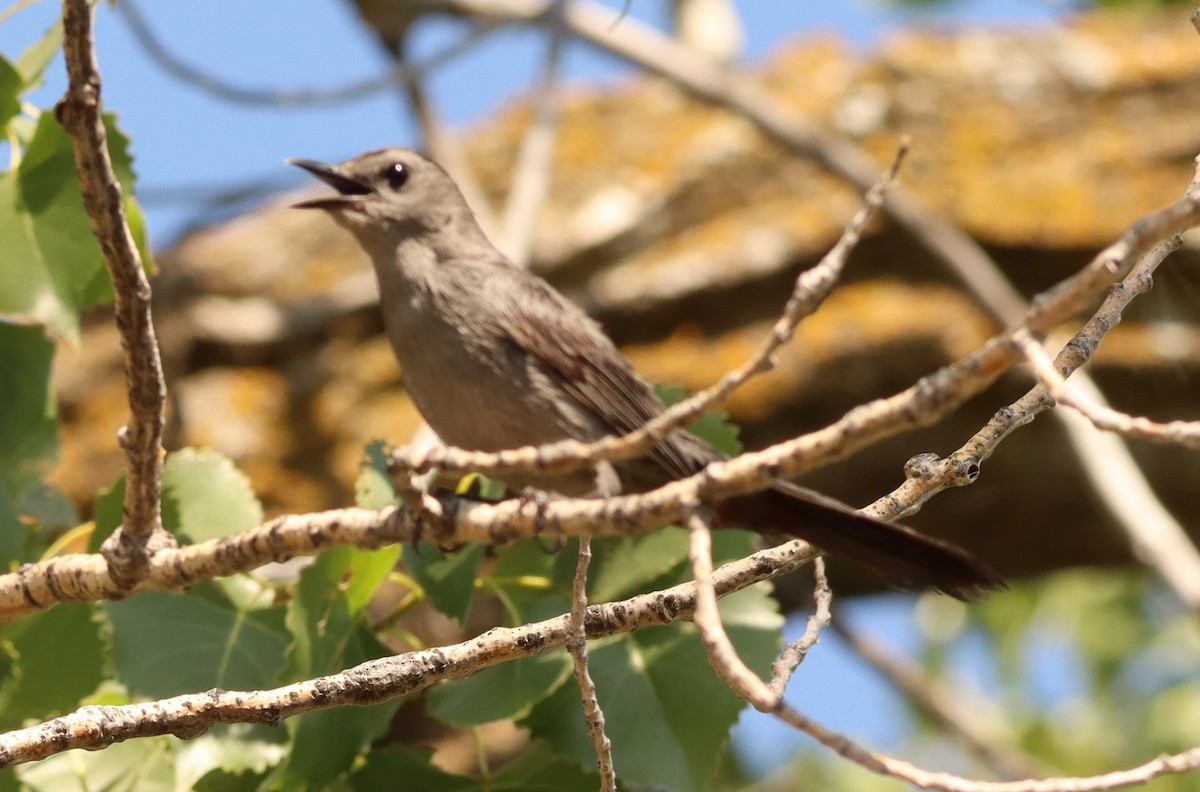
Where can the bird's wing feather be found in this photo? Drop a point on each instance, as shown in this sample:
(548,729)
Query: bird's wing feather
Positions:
(590,368)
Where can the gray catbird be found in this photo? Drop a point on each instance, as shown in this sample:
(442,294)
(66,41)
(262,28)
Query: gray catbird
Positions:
(495,358)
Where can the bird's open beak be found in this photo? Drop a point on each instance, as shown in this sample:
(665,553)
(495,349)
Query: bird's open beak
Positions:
(349,190)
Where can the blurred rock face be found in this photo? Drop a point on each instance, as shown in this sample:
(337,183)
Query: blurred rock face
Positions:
(682,230)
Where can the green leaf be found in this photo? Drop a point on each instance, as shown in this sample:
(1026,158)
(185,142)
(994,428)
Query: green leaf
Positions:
(52,262)
(448,578)
(507,690)
(142,765)
(236,749)
(397,767)
(166,644)
(327,610)
(622,568)
(328,623)
(37,56)
(326,743)
(57,659)
(11,85)
(539,770)
(373,489)
(668,715)
(49,508)
(28,429)
(205,496)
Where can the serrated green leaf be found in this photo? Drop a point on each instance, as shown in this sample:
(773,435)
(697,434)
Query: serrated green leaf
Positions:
(205,496)
(142,765)
(447,578)
(667,713)
(373,489)
(28,429)
(165,644)
(52,260)
(404,767)
(507,690)
(57,659)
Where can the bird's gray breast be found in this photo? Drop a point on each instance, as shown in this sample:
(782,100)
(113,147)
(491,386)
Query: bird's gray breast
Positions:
(474,386)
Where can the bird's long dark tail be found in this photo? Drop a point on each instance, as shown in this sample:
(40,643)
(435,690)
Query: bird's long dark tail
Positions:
(900,556)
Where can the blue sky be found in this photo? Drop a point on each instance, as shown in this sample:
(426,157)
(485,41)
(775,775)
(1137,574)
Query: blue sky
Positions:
(188,144)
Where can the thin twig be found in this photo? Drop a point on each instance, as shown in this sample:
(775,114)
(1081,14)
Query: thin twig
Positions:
(439,144)
(948,708)
(659,54)
(285,98)
(593,715)
(794,653)
(1068,394)
(1156,536)
(531,179)
(929,477)
(141,532)
(722,655)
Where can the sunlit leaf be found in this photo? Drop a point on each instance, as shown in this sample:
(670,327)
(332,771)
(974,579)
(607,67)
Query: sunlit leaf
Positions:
(205,496)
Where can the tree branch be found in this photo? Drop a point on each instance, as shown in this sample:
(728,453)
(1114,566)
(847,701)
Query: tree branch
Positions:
(141,531)
(378,680)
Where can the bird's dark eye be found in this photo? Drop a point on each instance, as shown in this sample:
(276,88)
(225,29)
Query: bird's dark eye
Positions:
(395,175)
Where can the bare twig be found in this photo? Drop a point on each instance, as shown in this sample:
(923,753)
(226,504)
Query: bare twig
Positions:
(659,54)
(378,680)
(531,180)
(593,715)
(1156,537)
(811,289)
(439,145)
(1183,762)
(794,653)
(141,532)
(946,707)
(284,98)
(1067,394)
(722,655)
(927,477)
